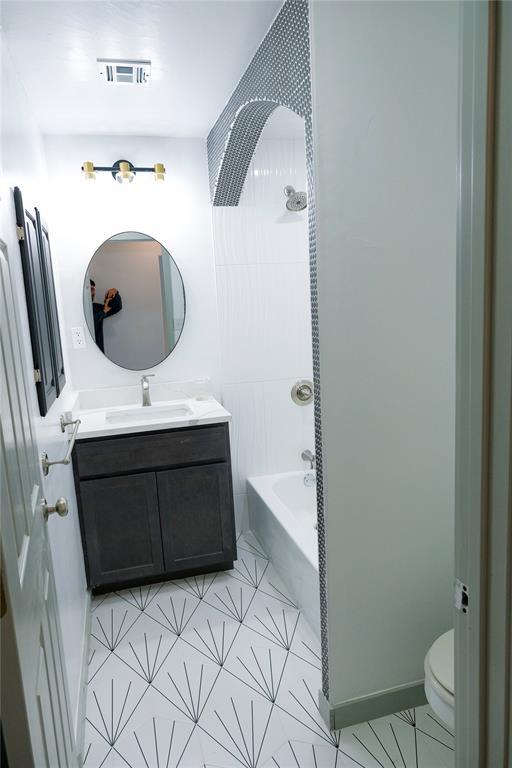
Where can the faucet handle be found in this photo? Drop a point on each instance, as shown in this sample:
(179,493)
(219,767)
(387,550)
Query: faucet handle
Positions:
(308,455)
(147,376)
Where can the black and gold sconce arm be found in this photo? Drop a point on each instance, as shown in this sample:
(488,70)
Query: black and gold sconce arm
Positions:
(122,171)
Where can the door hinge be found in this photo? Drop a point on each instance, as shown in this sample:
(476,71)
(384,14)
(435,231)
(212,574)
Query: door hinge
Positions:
(37,375)
(20,234)
(461,596)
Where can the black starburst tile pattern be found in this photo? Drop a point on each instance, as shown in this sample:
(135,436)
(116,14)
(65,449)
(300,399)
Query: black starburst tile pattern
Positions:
(414,739)
(197,586)
(248,543)
(222,671)
(303,755)
(140,597)
(237,728)
(112,622)
(306,645)
(297,703)
(249,569)
(259,664)
(113,697)
(160,742)
(97,657)
(231,597)
(173,609)
(146,651)
(272,586)
(186,682)
(211,633)
(272,621)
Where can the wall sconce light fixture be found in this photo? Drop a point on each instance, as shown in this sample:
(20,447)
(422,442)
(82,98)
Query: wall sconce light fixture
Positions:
(122,171)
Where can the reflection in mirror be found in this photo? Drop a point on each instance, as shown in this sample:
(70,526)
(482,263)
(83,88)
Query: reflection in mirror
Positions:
(134,300)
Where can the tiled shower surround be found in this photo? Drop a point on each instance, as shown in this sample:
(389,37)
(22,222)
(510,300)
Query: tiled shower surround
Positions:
(279,74)
(262,269)
(222,671)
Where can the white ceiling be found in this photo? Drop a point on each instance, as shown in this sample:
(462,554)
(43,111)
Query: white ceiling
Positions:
(198,48)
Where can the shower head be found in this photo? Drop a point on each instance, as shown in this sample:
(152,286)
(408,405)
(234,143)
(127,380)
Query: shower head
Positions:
(297,201)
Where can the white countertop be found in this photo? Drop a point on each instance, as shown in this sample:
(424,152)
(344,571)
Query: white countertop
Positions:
(129,418)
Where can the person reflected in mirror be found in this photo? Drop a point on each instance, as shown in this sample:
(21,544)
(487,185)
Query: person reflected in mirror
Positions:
(112,304)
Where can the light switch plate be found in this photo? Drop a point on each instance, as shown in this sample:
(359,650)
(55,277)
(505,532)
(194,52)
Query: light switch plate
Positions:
(78,337)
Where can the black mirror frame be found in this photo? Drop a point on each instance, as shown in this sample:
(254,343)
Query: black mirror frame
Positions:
(43,316)
(184,302)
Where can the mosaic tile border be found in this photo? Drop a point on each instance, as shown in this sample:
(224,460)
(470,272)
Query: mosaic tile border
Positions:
(278,75)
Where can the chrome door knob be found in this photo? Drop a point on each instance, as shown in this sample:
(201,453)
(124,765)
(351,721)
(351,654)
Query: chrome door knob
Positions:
(60,507)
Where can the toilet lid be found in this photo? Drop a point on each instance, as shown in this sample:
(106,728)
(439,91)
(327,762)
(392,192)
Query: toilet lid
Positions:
(440,659)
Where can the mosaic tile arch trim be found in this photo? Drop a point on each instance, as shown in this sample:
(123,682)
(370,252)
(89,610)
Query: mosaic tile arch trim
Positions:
(241,144)
(279,74)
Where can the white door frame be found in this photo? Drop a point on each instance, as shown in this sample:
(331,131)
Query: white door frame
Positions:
(483,518)
(498,638)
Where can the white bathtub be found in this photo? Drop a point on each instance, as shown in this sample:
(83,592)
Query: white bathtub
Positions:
(282,516)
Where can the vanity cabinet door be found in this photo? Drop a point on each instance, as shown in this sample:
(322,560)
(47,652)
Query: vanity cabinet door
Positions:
(121,526)
(196,516)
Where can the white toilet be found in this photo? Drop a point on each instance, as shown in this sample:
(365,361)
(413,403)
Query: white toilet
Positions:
(439,678)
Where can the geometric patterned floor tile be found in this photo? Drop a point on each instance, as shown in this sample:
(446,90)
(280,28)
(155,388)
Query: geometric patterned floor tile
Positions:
(223,671)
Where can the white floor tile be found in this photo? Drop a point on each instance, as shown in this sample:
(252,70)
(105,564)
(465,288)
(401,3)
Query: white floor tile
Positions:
(174,606)
(239,726)
(159,741)
(222,670)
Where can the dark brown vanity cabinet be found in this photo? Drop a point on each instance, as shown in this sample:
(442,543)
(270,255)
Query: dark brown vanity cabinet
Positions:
(155,506)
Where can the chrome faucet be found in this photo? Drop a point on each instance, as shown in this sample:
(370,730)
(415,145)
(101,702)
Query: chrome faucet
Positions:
(146,399)
(308,456)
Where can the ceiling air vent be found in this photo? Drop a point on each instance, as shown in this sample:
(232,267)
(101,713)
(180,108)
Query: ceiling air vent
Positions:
(117,71)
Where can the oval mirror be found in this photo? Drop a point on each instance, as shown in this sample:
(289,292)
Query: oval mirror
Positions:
(134,300)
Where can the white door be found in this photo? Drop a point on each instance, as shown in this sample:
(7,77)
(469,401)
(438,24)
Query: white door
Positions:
(26,564)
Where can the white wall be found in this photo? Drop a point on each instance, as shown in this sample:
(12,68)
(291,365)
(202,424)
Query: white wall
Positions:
(23,165)
(385,118)
(262,266)
(176,213)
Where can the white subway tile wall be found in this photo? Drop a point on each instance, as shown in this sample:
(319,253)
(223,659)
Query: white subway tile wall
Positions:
(262,266)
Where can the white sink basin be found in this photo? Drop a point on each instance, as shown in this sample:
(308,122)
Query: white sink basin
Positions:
(110,398)
(148,413)
(119,410)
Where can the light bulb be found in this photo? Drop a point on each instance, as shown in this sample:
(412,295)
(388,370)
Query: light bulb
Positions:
(124,174)
(88,170)
(159,172)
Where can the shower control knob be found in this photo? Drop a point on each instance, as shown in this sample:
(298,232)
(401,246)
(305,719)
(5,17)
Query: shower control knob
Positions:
(60,507)
(302,392)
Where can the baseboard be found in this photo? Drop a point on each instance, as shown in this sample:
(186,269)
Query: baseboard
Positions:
(365,708)
(82,695)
